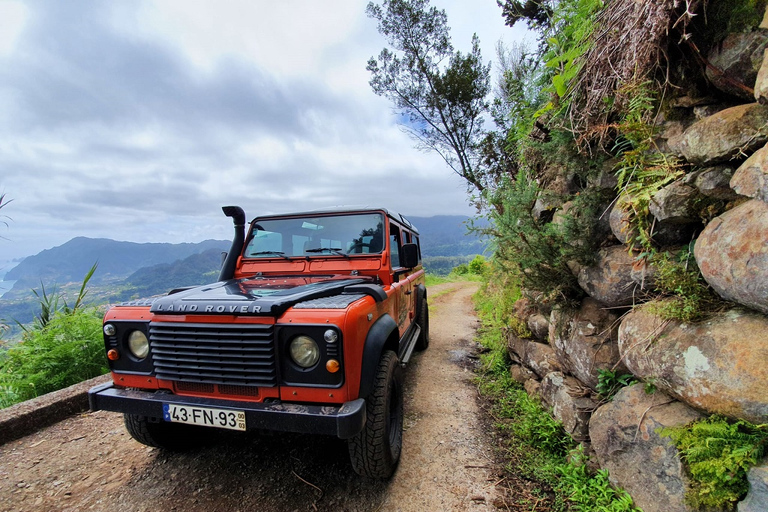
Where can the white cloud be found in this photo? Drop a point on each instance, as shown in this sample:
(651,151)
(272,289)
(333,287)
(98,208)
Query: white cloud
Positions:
(139,120)
(13,18)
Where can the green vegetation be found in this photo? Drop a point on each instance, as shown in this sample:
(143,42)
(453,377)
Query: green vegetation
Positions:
(534,444)
(609,382)
(62,347)
(718,452)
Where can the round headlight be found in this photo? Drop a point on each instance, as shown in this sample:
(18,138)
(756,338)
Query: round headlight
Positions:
(110,330)
(304,351)
(138,344)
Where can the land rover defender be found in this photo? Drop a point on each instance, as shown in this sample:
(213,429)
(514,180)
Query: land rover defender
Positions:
(307,330)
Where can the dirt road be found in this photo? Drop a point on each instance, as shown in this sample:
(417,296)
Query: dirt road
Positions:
(89,462)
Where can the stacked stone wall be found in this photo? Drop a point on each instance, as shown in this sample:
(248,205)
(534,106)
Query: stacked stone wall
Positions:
(715,366)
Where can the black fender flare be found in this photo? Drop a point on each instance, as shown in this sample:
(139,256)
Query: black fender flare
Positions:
(375,344)
(421,295)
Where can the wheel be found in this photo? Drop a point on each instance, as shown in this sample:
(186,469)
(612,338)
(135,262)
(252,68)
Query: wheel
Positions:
(422,342)
(162,434)
(375,451)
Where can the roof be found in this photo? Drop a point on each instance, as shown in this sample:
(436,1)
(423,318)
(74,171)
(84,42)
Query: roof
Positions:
(346,209)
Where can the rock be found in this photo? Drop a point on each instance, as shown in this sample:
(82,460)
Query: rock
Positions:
(761,82)
(720,137)
(586,340)
(757,497)
(539,326)
(570,403)
(732,254)
(532,387)
(516,347)
(674,204)
(713,182)
(545,206)
(538,357)
(718,366)
(739,57)
(751,178)
(664,233)
(541,358)
(621,226)
(520,373)
(626,440)
(606,178)
(609,280)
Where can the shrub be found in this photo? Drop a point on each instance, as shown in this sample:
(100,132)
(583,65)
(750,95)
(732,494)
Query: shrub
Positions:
(68,350)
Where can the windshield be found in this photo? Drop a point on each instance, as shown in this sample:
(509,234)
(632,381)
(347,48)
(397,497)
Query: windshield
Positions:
(316,236)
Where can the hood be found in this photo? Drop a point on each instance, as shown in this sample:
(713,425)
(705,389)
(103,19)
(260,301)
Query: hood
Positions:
(262,296)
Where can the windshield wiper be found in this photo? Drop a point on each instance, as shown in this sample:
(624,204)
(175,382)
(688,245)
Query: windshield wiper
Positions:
(335,250)
(276,253)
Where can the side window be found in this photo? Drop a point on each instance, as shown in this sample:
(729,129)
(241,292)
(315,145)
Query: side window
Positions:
(394,245)
(415,240)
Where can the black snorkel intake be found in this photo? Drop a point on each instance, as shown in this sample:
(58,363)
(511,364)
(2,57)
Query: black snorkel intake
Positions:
(238,218)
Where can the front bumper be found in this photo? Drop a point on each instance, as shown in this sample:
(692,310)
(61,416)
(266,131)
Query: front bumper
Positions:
(343,421)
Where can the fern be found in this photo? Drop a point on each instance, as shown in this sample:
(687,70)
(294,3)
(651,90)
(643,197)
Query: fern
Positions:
(718,453)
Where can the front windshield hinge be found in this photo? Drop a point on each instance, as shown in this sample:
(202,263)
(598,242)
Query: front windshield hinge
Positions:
(354,273)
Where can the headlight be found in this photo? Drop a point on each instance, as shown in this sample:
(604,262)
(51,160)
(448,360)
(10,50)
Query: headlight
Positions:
(138,344)
(110,330)
(304,351)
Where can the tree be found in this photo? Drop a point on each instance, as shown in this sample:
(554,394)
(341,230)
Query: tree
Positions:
(441,92)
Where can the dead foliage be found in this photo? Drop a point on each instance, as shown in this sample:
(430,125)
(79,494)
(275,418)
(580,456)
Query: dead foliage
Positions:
(629,45)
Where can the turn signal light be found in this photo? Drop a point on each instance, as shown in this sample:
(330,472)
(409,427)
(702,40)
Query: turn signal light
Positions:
(332,365)
(112,355)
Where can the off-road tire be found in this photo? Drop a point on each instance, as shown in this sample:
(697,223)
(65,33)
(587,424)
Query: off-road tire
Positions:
(422,342)
(161,434)
(375,451)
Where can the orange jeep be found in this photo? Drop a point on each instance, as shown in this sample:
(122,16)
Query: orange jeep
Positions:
(307,330)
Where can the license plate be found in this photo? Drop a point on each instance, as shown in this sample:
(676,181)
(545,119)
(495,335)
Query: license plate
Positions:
(204,416)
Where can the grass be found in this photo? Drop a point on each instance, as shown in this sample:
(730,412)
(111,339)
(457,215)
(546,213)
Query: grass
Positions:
(534,445)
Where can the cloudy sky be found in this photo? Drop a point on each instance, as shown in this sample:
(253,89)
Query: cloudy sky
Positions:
(138,120)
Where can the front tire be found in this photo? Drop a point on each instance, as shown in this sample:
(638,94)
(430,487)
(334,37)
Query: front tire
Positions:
(375,451)
(162,434)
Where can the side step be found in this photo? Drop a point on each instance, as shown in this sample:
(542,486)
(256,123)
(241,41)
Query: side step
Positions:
(409,345)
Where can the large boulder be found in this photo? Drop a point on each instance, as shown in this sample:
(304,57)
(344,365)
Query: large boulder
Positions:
(724,135)
(757,498)
(718,366)
(626,440)
(609,280)
(585,340)
(570,403)
(751,178)
(736,61)
(732,254)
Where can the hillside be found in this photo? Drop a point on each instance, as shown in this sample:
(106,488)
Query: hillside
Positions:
(117,260)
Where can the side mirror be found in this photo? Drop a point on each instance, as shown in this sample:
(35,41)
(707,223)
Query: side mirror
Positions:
(409,255)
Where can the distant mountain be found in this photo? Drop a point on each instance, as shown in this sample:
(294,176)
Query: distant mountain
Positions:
(193,270)
(446,235)
(117,260)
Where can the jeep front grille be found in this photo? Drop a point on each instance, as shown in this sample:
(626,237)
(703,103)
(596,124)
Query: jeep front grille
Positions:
(233,354)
